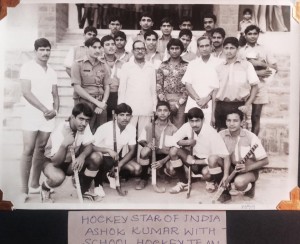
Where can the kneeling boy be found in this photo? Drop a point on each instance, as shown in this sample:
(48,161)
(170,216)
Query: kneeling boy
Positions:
(77,133)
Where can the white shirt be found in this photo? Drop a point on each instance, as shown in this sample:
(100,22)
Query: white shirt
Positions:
(208,141)
(204,78)
(57,136)
(138,88)
(104,136)
(41,83)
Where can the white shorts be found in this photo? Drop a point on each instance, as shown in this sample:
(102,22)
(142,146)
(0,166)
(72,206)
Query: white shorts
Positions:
(34,120)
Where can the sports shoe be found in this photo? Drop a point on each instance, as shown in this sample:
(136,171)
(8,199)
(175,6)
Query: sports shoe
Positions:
(180,187)
(225,197)
(37,190)
(141,185)
(251,192)
(210,186)
(46,196)
(99,191)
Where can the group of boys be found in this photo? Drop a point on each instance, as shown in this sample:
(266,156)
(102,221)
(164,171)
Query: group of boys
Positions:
(211,88)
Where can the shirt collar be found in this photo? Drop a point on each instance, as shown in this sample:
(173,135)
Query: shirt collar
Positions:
(238,60)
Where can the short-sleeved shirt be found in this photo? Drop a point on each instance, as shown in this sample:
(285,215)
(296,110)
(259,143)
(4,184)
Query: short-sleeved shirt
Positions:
(104,136)
(91,77)
(235,80)
(57,137)
(160,134)
(239,146)
(168,78)
(155,59)
(208,141)
(75,53)
(203,78)
(41,83)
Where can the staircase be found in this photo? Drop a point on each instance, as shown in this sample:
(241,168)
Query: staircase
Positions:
(274,124)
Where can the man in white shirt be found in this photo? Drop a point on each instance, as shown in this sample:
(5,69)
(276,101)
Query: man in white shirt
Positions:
(138,87)
(39,88)
(104,146)
(201,79)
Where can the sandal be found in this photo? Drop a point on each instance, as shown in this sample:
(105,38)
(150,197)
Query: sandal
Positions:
(180,187)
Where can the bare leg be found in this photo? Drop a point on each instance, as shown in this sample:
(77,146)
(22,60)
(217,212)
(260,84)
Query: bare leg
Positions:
(29,138)
(38,158)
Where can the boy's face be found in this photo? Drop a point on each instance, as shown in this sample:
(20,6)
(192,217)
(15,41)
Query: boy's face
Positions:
(217,40)
(114,26)
(123,119)
(120,42)
(166,29)
(80,121)
(94,50)
(175,51)
(89,35)
(186,40)
(109,47)
(196,124)
(163,113)
(252,36)
(233,122)
(146,23)
(230,51)
(186,25)
(247,16)
(151,42)
(43,53)
(209,24)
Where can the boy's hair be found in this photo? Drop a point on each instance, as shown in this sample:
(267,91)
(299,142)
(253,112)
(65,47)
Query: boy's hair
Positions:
(41,42)
(90,29)
(163,103)
(186,32)
(232,40)
(105,39)
(166,20)
(175,42)
(195,113)
(252,27)
(210,16)
(146,14)
(219,30)
(236,111)
(203,38)
(115,18)
(90,42)
(133,44)
(123,108)
(82,108)
(247,10)
(149,33)
(185,19)
(120,34)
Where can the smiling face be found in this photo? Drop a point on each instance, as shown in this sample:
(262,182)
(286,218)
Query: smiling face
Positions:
(94,50)
(109,47)
(233,122)
(43,54)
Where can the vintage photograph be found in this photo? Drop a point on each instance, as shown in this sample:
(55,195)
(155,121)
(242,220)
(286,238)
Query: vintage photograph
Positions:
(149,106)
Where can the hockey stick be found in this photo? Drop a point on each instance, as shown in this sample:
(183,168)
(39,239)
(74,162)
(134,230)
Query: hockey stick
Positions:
(76,176)
(153,170)
(190,172)
(223,187)
(116,167)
